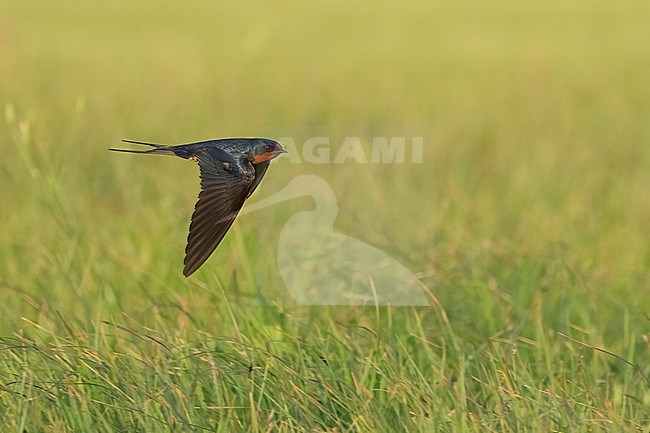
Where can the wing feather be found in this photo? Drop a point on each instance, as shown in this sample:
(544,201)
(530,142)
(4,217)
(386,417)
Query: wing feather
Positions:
(225,185)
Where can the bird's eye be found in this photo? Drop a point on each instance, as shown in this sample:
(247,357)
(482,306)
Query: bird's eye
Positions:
(270,147)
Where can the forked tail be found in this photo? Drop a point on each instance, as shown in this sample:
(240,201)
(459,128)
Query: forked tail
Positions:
(159,149)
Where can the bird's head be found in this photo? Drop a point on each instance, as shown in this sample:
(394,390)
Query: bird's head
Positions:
(265,150)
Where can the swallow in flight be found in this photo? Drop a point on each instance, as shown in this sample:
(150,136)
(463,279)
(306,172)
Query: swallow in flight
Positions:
(230,170)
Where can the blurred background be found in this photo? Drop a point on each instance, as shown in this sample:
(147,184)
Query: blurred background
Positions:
(537,116)
(529,212)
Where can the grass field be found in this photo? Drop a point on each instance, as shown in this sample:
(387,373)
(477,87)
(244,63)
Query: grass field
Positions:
(527,219)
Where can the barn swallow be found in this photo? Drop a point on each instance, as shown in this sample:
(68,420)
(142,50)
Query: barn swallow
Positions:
(230,170)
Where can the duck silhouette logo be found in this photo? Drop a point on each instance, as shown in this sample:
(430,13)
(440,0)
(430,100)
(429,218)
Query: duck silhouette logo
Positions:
(322,267)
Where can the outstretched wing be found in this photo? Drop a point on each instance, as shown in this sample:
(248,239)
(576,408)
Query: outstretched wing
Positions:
(225,185)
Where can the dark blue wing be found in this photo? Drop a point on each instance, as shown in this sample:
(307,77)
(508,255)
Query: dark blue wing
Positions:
(226,182)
